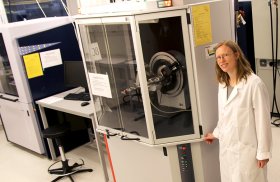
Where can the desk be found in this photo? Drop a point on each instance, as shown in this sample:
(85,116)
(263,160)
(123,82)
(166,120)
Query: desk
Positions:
(56,102)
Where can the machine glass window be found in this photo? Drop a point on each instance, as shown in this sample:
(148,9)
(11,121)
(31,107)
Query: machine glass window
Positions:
(127,89)
(166,73)
(97,62)
(7,82)
(109,51)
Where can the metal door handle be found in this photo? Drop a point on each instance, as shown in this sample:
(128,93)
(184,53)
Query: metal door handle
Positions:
(126,138)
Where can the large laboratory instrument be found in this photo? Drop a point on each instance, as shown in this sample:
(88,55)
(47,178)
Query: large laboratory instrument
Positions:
(152,76)
(31,68)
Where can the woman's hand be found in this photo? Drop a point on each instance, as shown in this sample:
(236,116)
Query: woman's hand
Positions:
(209,138)
(262,163)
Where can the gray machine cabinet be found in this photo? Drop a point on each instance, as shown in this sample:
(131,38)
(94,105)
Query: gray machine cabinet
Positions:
(18,90)
(146,70)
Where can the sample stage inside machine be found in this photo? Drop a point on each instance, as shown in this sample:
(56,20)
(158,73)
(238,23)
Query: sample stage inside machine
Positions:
(167,80)
(163,51)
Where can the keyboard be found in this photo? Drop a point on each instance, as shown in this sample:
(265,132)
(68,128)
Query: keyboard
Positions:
(83,96)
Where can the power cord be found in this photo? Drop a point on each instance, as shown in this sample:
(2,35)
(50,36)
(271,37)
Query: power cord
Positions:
(276,122)
(274,59)
(68,14)
(77,168)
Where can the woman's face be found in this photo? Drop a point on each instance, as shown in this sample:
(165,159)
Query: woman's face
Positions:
(226,59)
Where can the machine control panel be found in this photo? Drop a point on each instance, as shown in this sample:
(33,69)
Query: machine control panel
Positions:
(185,162)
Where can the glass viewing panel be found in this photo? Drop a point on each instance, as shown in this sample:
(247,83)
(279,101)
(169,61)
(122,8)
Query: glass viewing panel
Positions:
(166,71)
(7,82)
(124,111)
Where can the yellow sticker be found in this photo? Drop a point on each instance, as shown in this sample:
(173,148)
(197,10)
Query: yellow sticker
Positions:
(33,65)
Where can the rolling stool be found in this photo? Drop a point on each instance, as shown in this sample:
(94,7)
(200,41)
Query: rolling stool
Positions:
(56,132)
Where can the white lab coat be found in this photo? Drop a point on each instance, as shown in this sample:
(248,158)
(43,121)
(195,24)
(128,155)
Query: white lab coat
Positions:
(244,131)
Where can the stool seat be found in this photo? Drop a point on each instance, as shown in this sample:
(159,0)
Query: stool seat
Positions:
(56,131)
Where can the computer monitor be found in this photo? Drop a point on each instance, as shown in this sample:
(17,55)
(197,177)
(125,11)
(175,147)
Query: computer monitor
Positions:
(74,74)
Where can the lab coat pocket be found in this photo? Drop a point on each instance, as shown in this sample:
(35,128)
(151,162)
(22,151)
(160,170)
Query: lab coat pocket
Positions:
(242,117)
(245,126)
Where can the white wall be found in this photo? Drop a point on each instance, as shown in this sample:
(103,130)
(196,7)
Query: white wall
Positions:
(261,26)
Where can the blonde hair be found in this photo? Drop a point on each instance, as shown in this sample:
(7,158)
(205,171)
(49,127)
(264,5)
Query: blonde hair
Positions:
(243,66)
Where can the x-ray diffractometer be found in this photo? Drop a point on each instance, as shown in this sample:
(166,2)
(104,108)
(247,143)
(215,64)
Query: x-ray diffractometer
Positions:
(152,79)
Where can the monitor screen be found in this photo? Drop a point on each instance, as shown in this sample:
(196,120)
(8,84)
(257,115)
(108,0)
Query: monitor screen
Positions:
(74,74)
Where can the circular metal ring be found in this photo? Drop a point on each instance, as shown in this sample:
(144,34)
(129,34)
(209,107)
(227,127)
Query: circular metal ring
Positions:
(174,84)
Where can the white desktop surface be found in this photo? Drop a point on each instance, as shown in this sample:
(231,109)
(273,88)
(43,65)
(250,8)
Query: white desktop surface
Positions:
(57,102)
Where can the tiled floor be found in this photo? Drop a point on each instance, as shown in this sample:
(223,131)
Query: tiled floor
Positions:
(20,165)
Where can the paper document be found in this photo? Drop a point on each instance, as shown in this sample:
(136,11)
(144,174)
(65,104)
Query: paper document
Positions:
(51,58)
(100,85)
(202,24)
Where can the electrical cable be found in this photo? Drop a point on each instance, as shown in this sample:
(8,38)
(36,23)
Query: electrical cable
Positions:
(276,122)
(77,168)
(68,14)
(276,61)
(274,66)
(272,44)
(41,8)
(169,112)
(65,8)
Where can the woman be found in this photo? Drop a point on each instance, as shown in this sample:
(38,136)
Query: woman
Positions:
(243,128)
